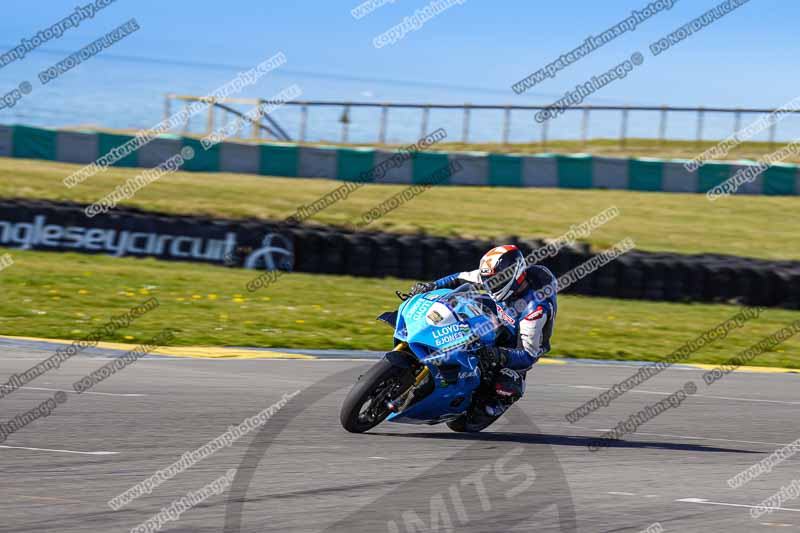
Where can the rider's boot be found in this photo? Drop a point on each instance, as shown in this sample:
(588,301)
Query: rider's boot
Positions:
(508,388)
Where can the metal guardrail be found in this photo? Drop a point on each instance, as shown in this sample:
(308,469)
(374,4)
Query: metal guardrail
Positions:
(466,109)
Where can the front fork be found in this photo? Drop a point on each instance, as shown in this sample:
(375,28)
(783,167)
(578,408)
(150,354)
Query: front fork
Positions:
(400,403)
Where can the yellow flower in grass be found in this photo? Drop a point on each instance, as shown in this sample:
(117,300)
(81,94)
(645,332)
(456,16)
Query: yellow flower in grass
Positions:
(197,296)
(300,321)
(144,291)
(180,299)
(56,298)
(53,291)
(128,337)
(129,294)
(239,300)
(83,291)
(212,296)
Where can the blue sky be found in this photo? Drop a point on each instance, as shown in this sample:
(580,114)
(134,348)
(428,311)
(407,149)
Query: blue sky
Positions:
(472,52)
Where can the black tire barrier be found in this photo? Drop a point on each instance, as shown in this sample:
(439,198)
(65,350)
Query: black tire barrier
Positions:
(607,280)
(677,282)
(466,252)
(359,256)
(436,258)
(309,251)
(335,253)
(792,299)
(333,250)
(655,280)
(388,259)
(697,283)
(751,280)
(413,265)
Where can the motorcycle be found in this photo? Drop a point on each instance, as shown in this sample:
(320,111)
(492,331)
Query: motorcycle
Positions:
(433,374)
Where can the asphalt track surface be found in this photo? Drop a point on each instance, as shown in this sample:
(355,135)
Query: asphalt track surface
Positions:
(302,472)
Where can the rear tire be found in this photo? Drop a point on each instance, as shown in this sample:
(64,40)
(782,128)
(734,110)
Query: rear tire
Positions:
(364,408)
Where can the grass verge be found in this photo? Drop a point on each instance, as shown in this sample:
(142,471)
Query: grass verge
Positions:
(66,296)
(756,226)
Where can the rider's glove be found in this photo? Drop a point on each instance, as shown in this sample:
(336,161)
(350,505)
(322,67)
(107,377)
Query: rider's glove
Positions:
(421,288)
(494,357)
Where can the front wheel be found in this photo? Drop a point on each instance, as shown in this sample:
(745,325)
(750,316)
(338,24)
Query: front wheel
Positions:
(366,404)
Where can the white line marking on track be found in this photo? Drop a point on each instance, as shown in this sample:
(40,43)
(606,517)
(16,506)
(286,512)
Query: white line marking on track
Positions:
(82,393)
(688,437)
(55,450)
(46,499)
(695,395)
(712,438)
(622,493)
(703,501)
(745,399)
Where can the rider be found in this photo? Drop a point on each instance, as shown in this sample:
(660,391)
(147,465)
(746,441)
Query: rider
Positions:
(525,297)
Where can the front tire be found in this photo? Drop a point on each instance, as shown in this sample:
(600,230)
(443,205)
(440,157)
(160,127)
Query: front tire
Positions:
(365,405)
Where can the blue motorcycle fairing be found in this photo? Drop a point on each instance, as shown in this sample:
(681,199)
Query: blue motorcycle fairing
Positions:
(442,329)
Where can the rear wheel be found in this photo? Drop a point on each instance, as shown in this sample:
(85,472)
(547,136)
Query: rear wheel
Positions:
(365,406)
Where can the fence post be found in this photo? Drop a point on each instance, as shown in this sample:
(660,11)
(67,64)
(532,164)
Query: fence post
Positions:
(167,107)
(623,134)
(303,122)
(345,120)
(384,125)
(186,122)
(737,120)
(465,130)
(662,127)
(544,133)
(700,120)
(210,121)
(425,114)
(585,127)
(772,135)
(506,124)
(257,120)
